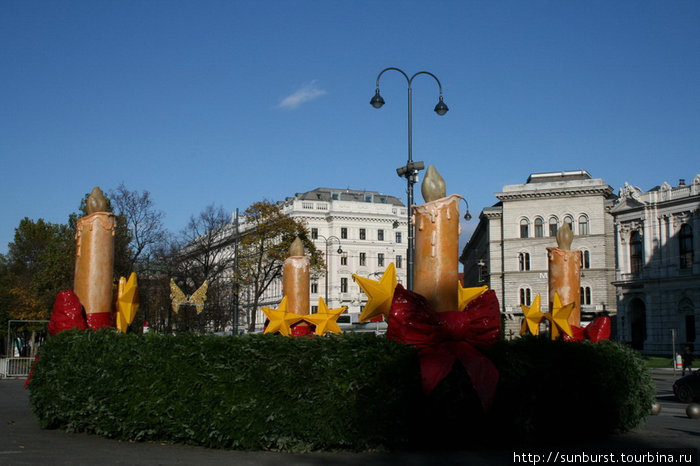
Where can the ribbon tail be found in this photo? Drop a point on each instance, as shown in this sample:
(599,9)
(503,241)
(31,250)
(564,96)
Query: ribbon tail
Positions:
(435,364)
(481,371)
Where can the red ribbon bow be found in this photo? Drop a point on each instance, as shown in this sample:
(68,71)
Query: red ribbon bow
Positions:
(446,337)
(597,330)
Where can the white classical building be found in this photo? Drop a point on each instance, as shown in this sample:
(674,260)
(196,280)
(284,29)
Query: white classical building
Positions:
(508,249)
(359,232)
(658,265)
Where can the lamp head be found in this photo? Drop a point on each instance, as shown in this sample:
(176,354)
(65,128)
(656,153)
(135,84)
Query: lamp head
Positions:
(440,108)
(377,101)
(467,216)
(340,250)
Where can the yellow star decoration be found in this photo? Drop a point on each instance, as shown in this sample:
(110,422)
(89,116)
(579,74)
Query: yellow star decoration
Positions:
(533,317)
(558,318)
(325,320)
(127,301)
(467,295)
(281,320)
(379,293)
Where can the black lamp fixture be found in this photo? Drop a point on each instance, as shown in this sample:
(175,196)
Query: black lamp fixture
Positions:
(377,101)
(410,170)
(440,108)
(467,215)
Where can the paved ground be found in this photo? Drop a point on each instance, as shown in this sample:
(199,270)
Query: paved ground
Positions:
(22,442)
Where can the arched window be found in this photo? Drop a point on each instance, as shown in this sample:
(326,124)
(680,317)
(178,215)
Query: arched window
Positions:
(570,221)
(582,225)
(585,259)
(525,297)
(685,246)
(539,227)
(636,253)
(524,228)
(585,295)
(553,226)
(524,261)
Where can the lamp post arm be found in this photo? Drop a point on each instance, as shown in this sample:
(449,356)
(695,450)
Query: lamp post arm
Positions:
(429,74)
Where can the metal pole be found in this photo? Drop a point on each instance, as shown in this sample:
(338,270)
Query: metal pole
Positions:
(411,169)
(235,275)
(409,179)
(327,260)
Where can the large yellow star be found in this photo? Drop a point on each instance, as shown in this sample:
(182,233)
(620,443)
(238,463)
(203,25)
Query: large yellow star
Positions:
(325,320)
(281,320)
(127,301)
(533,317)
(379,293)
(560,317)
(467,295)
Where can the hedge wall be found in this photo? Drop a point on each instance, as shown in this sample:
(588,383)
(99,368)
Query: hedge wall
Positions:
(353,391)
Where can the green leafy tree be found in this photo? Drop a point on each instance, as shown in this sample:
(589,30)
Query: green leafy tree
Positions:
(264,244)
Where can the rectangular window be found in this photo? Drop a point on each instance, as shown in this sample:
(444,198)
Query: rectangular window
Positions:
(363,259)
(314,233)
(343,260)
(343,233)
(314,287)
(399,262)
(344,285)
(380,259)
(314,309)
(398,236)
(380,235)
(363,233)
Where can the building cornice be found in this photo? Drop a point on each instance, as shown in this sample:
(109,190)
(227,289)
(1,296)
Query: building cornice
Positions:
(603,191)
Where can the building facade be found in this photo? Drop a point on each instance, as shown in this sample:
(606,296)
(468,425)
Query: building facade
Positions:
(508,249)
(359,232)
(658,265)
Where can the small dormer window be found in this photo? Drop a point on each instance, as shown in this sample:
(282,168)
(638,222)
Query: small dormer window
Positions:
(335,196)
(368,198)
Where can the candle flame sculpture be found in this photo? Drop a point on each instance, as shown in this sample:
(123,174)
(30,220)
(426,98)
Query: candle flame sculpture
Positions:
(292,315)
(94,261)
(564,273)
(437,244)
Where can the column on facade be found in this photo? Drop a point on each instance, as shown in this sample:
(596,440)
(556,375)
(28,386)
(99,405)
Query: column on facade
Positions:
(695,223)
(622,249)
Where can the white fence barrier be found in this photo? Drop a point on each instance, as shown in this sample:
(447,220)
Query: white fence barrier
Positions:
(15,367)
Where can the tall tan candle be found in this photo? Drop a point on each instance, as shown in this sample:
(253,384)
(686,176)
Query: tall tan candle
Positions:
(564,272)
(94,261)
(437,244)
(295,279)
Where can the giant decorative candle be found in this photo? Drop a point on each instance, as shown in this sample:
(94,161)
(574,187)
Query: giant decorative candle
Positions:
(437,244)
(94,261)
(295,279)
(564,273)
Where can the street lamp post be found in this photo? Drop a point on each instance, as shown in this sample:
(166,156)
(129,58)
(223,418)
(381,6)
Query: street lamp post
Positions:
(411,169)
(328,242)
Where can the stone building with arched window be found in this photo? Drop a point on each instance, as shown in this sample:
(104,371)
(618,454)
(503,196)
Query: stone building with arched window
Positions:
(657,281)
(508,249)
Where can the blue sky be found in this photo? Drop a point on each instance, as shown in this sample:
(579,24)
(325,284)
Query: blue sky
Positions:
(230,102)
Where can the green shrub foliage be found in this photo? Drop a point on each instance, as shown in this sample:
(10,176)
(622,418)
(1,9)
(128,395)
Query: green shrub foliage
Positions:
(353,391)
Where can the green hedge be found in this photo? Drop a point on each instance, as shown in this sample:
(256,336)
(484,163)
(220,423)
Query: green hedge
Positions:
(353,391)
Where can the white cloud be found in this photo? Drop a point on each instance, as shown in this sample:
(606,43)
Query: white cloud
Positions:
(307,93)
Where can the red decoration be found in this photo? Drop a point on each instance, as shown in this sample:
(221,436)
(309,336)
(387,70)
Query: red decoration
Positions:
(67,313)
(446,337)
(302,331)
(98,320)
(597,330)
